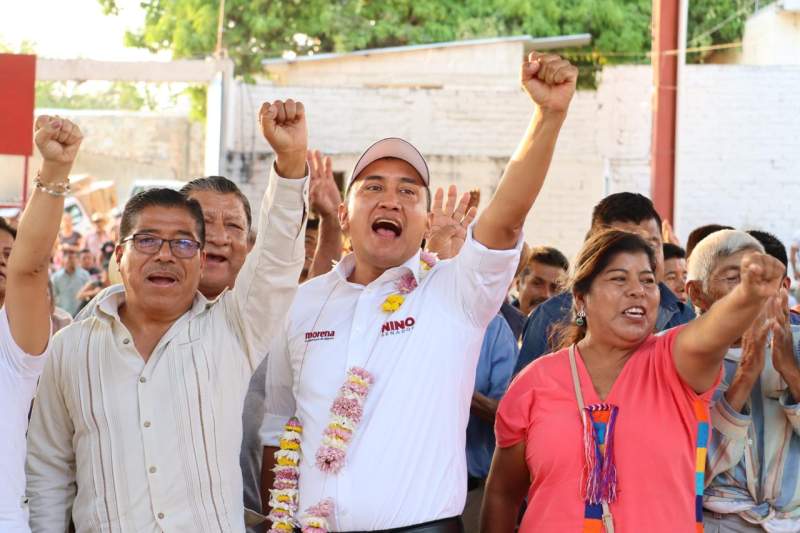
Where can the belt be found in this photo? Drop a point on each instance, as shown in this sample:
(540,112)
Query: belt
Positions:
(445,525)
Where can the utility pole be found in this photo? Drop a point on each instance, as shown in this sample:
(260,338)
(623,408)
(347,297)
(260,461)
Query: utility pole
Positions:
(666,21)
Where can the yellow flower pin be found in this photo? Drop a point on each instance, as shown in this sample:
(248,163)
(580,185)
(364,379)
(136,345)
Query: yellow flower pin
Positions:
(393,302)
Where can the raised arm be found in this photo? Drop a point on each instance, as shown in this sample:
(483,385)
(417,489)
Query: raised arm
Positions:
(267,283)
(324,197)
(702,344)
(550,82)
(26,301)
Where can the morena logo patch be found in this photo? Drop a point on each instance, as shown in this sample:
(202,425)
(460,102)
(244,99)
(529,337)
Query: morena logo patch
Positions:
(312,336)
(395,327)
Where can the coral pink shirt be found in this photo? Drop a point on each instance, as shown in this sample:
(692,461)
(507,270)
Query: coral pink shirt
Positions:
(655,441)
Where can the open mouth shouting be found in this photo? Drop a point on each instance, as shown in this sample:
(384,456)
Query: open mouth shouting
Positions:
(215,259)
(635,313)
(163,279)
(387,228)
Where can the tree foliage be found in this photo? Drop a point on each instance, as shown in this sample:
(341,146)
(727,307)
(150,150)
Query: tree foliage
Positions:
(259,29)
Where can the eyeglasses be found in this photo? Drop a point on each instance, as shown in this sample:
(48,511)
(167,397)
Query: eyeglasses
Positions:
(151,245)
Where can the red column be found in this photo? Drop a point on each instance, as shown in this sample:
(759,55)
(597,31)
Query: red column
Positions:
(665,78)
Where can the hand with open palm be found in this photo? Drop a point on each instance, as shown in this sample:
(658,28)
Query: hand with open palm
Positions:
(449,223)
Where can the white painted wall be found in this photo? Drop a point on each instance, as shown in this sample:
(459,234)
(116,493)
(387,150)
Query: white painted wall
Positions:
(772,36)
(739,148)
(739,143)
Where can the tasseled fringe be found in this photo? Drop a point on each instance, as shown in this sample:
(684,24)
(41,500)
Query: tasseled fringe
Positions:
(599,469)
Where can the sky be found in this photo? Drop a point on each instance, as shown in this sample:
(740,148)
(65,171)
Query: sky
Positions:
(72,28)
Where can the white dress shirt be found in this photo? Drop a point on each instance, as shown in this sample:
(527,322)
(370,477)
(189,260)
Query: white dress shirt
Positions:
(129,446)
(406,463)
(19,373)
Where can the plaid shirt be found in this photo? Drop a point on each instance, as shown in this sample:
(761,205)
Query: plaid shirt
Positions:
(753,466)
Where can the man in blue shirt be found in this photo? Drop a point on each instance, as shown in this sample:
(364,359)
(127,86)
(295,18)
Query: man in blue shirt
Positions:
(495,367)
(623,211)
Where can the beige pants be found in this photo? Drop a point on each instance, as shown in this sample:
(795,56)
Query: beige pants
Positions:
(727,523)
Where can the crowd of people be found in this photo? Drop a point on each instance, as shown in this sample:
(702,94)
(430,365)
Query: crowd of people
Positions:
(390,358)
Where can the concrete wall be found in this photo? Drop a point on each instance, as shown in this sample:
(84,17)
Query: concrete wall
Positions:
(739,148)
(468,136)
(772,37)
(468,66)
(739,153)
(122,147)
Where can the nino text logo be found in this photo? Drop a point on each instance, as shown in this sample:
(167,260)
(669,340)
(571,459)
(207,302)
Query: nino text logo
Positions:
(395,327)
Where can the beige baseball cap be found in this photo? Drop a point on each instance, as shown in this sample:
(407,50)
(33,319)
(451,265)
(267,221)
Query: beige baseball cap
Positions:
(392,147)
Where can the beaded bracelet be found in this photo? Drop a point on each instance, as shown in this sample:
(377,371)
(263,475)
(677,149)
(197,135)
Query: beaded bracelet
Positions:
(53,189)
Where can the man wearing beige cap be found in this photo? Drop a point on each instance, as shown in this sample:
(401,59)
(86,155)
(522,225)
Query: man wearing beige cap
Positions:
(377,358)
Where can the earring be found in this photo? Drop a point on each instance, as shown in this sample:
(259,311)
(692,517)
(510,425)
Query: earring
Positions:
(580,318)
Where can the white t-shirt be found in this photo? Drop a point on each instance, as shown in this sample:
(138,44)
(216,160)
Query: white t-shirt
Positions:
(19,373)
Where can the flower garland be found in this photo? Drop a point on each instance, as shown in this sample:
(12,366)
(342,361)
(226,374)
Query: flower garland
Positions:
(283,497)
(346,412)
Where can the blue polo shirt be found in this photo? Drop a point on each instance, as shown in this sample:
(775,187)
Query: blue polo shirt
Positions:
(671,312)
(495,367)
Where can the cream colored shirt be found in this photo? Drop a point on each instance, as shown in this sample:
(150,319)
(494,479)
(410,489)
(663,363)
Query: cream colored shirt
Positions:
(127,446)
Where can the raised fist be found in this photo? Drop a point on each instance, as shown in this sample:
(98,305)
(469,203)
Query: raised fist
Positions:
(549,80)
(762,275)
(57,139)
(283,124)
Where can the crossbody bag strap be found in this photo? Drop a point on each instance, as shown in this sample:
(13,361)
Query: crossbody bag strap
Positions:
(608,518)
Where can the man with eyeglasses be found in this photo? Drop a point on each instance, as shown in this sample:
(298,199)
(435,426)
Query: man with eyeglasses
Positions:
(754,449)
(138,426)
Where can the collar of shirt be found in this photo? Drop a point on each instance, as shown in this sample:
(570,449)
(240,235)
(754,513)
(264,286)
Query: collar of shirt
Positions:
(346,266)
(108,307)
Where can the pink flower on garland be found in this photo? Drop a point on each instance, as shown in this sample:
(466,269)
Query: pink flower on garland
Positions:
(329,459)
(347,408)
(406,283)
(315,518)
(428,259)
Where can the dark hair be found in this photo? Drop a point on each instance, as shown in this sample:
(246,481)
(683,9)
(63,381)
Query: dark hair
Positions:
(597,253)
(222,185)
(772,245)
(673,251)
(698,234)
(161,197)
(546,255)
(85,251)
(5,226)
(623,207)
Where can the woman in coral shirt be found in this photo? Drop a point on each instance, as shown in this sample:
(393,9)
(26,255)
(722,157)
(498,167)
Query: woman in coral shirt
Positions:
(609,433)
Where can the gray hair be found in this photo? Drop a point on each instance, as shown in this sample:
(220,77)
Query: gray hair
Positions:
(718,245)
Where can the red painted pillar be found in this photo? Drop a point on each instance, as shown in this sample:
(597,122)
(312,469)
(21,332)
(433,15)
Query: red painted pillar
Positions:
(665,82)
